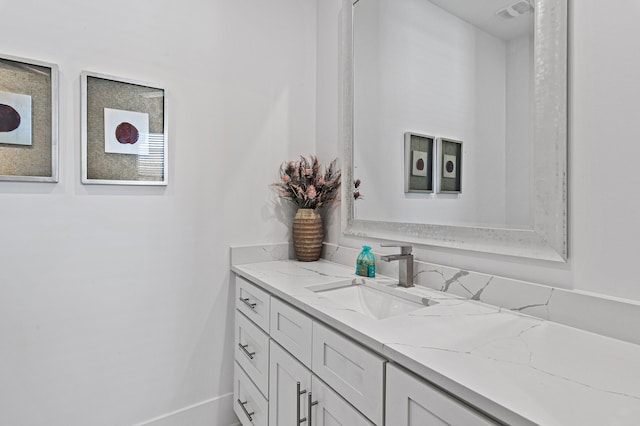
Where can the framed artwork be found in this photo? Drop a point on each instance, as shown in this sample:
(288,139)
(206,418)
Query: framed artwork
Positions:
(28,120)
(124,131)
(418,162)
(449,166)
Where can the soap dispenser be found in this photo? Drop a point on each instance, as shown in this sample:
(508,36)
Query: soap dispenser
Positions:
(366,263)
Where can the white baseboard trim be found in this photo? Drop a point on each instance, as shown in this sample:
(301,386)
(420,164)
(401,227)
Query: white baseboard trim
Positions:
(216,411)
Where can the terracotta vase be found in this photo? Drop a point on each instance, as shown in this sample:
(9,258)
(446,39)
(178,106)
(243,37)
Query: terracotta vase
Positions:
(307,235)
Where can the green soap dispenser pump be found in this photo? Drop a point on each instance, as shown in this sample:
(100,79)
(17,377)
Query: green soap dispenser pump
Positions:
(366,263)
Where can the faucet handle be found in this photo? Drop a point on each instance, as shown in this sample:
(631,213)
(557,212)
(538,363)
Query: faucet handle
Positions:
(404,249)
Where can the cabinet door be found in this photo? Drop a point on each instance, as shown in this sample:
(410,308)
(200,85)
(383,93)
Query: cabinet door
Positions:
(287,401)
(331,410)
(413,402)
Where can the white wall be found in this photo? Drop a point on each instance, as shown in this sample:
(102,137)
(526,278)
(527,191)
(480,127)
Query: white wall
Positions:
(604,229)
(114,301)
(420,68)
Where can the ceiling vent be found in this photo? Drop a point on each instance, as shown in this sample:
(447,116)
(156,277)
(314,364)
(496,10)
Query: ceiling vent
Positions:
(519,8)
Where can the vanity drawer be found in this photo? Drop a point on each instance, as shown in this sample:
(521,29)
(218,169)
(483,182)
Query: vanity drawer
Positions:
(292,329)
(253,302)
(248,403)
(353,371)
(414,402)
(252,352)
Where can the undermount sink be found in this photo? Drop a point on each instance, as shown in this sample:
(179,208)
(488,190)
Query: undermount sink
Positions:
(377,303)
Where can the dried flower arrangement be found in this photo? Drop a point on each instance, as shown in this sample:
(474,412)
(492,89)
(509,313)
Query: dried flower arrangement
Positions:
(303,184)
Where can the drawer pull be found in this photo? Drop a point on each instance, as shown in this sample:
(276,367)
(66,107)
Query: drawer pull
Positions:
(249,415)
(251,306)
(298,394)
(311,404)
(246,352)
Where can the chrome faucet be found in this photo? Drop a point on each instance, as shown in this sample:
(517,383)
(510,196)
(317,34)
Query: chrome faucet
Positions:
(405,268)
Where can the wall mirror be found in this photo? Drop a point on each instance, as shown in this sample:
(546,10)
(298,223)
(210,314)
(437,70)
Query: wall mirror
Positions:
(456,124)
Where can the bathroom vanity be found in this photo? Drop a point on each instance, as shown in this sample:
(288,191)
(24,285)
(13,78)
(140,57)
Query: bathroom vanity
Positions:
(315,344)
(291,368)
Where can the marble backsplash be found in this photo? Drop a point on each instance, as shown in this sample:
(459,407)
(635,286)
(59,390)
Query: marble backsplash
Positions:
(591,312)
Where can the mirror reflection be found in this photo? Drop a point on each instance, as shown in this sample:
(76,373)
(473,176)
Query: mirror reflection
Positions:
(444,93)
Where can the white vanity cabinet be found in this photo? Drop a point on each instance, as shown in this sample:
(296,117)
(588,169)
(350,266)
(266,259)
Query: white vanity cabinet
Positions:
(294,389)
(251,370)
(413,402)
(293,370)
(276,381)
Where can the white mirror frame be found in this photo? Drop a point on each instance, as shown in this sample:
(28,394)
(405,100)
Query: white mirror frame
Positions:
(548,238)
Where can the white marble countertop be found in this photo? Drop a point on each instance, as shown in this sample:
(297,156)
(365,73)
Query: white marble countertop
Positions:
(517,368)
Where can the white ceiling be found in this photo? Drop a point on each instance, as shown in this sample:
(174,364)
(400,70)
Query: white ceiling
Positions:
(482,14)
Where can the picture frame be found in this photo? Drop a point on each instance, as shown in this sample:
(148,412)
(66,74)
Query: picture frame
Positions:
(449,154)
(124,131)
(418,163)
(28,120)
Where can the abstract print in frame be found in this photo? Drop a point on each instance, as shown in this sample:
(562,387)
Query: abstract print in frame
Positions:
(124,131)
(28,120)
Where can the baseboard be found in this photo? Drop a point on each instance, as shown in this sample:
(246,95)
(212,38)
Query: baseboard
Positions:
(216,411)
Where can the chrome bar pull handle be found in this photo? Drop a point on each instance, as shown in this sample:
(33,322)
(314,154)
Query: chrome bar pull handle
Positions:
(246,352)
(298,394)
(310,405)
(249,415)
(251,306)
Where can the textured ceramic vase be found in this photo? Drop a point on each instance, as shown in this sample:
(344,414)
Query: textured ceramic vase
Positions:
(307,235)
